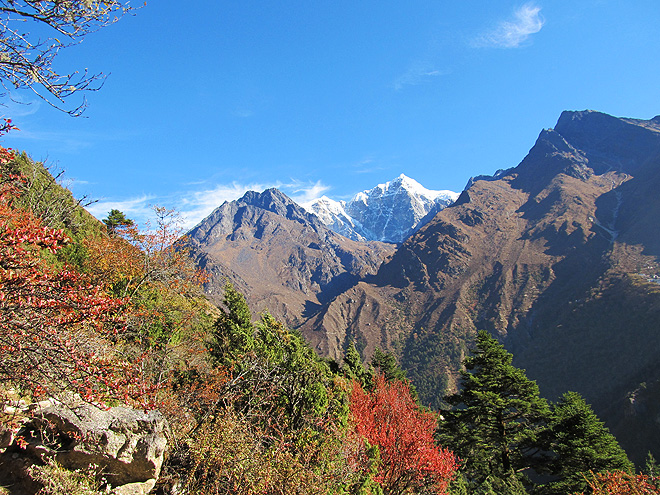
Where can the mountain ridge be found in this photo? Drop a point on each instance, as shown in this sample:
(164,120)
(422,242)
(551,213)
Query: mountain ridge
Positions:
(282,257)
(546,256)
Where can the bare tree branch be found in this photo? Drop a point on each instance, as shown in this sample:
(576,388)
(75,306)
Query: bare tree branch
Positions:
(27,62)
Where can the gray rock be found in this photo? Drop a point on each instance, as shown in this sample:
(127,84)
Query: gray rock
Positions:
(135,488)
(127,444)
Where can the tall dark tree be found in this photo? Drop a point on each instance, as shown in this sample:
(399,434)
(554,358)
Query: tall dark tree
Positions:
(497,416)
(233,331)
(580,444)
(354,369)
(385,363)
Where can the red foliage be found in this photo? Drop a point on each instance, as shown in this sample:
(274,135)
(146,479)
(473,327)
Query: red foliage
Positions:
(389,418)
(6,125)
(55,325)
(622,483)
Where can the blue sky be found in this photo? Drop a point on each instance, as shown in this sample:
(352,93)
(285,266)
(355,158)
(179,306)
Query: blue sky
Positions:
(208,100)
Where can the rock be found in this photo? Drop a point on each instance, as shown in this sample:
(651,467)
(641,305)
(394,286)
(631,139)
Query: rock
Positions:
(128,445)
(135,488)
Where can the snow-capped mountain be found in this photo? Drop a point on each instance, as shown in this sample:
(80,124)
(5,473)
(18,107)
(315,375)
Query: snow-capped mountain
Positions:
(389,212)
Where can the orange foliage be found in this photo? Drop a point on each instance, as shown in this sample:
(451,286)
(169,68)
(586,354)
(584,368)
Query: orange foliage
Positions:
(55,325)
(389,418)
(622,483)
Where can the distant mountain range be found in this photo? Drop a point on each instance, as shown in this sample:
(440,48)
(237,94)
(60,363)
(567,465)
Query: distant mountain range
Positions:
(389,212)
(557,257)
(289,260)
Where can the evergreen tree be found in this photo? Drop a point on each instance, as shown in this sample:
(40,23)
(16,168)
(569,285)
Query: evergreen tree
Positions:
(386,364)
(497,417)
(354,369)
(580,444)
(651,467)
(233,332)
(117,219)
(296,378)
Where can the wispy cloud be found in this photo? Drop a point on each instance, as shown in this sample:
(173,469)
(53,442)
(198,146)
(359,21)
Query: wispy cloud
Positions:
(195,205)
(370,165)
(138,209)
(243,113)
(418,73)
(17,105)
(527,20)
(69,141)
(303,193)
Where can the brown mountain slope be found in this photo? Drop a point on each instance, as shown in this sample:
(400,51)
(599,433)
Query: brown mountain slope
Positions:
(282,258)
(556,257)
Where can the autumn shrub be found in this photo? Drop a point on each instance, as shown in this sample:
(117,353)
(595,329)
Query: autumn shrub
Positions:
(220,448)
(410,461)
(227,456)
(56,480)
(620,483)
(56,327)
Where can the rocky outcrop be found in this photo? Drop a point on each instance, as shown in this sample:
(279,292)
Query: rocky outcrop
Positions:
(125,445)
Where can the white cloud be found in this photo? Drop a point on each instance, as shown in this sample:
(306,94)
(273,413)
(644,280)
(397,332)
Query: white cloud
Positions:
(527,20)
(17,105)
(418,73)
(195,205)
(138,209)
(243,113)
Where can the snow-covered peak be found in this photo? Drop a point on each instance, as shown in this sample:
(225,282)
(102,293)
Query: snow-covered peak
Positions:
(404,183)
(389,212)
(333,214)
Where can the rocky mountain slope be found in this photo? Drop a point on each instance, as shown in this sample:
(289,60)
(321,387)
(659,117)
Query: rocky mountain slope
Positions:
(557,257)
(389,212)
(284,259)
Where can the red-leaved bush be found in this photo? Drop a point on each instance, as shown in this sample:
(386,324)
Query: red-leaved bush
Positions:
(410,460)
(56,327)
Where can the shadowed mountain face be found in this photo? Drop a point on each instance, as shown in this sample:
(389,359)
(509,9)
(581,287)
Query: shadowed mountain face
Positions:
(281,257)
(557,257)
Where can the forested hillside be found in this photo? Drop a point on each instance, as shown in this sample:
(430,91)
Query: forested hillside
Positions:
(107,314)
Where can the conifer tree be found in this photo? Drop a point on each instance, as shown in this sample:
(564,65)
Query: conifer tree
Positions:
(385,363)
(354,369)
(116,219)
(581,444)
(497,416)
(233,332)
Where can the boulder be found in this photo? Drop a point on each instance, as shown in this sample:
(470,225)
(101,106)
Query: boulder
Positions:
(126,444)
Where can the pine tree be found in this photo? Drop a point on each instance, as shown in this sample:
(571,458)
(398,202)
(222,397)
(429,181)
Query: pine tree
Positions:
(116,219)
(497,416)
(233,332)
(354,369)
(385,363)
(581,443)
